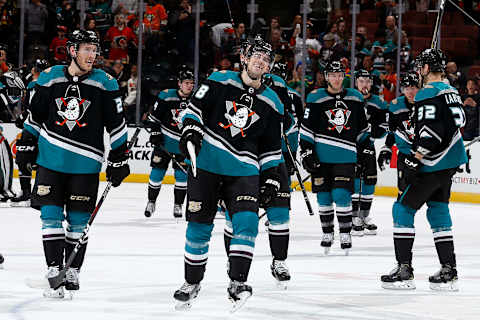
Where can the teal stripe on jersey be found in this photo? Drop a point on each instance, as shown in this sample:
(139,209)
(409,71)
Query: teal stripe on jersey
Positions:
(333,154)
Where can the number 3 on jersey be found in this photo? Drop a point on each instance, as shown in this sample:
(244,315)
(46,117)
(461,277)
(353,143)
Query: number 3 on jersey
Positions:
(458,116)
(201,91)
(426,112)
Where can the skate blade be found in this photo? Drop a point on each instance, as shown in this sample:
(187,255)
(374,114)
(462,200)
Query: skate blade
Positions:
(282,285)
(449,286)
(399,285)
(5,205)
(1,266)
(346,251)
(183,306)
(326,250)
(369,232)
(357,233)
(37,283)
(20,204)
(238,304)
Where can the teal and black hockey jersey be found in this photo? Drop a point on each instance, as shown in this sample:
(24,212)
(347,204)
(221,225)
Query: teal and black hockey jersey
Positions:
(400,123)
(438,118)
(68,115)
(242,125)
(165,115)
(334,124)
(376,113)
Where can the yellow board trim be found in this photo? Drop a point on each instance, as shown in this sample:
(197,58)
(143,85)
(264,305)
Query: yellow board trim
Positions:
(379,191)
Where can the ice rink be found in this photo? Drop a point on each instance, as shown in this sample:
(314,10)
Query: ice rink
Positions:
(134,264)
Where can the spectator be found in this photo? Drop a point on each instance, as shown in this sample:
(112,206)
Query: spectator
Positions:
(389,81)
(454,76)
(57,47)
(36,14)
(362,29)
(390,28)
(274,25)
(367,64)
(67,16)
(330,50)
(3,59)
(155,17)
(129,103)
(124,7)
(119,36)
(101,11)
(182,22)
(471,101)
(342,34)
(91,25)
(122,77)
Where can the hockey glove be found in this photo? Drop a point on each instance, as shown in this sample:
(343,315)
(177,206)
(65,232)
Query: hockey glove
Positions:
(27,150)
(412,166)
(269,186)
(193,132)
(117,165)
(368,164)
(384,157)
(156,137)
(310,160)
(21,119)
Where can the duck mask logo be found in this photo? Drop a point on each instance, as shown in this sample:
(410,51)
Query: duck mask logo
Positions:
(72,107)
(338,117)
(240,115)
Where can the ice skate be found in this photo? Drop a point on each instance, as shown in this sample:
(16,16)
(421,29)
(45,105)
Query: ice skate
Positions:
(1,261)
(185,295)
(177,211)
(5,199)
(280,273)
(150,209)
(400,278)
(445,279)
(238,293)
(22,200)
(370,228)
(357,227)
(346,242)
(51,293)
(327,241)
(71,279)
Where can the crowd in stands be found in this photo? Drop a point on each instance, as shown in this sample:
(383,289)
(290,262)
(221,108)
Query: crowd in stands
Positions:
(169,33)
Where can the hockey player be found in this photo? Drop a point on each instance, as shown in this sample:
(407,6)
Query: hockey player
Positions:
(25,174)
(165,135)
(278,210)
(12,91)
(63,134)
(234,122)
(366,169)
(437,151)
(2,260)
(333,126)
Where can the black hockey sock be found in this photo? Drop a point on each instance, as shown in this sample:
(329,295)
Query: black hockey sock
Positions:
(53,250)
(278,245)
(365,206)
(355,204)
(239,268)
(194,274)
(344,217)
(403,239)
(78,261)
(445,251)
(326,219)
(25,185)
(227,238)
(179,195)
(153,193)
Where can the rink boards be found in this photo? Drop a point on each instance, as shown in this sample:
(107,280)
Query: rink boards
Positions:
(466,184)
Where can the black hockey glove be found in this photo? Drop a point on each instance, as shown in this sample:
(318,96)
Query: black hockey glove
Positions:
(269,186)
(193,132)
(384,157)
(156,137)
(21,119)
(27,150)
(117,165)
(368,164)
(412,166)
(310,160)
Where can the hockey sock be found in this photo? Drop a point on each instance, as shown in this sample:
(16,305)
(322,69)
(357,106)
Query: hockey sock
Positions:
(343,202)
(245,230)
(403,232)
(25,185)
(325,209)
(438,216)
(445,249)
(77,221)
(180,189)
(278,232)
(155,183)
(53,235)
(179,195)
(78,261)
(196,250)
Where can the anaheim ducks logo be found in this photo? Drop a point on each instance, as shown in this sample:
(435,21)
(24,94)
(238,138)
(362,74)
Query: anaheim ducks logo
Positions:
(409,129)
(240,115)
(338,117)
(71,108)
(176,114)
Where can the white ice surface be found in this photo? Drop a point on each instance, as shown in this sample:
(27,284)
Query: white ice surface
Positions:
(134,264)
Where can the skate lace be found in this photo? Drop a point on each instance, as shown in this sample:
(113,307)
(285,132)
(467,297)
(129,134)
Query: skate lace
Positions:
(72,275)
(345,237)
(53,272)
(187,287)
(327,237)
(177,208)
(280,267)
(150,206)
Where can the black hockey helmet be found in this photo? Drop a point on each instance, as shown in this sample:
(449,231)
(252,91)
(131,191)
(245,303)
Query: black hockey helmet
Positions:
(362,73)
(410,79)
(40,65)
(435,58)
(280,69)
(185,73)
(14,85)
(333,66)
(259,45)
(82,36)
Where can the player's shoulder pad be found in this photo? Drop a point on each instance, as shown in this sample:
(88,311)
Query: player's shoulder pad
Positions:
(271,98)
(277,81)
(295,92)
(100,79)
(378,102)
(318,96)
(353,95)
(31,84)
(397,104)
(226,77)
(168,94)
(51,76)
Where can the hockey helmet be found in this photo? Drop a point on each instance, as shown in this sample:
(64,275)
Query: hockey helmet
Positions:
(280,69)
(14,85)
(435,58)
(333,66)
(185,73)
(259,45)
(40,65)
(82,36)
(410,79)
(362,73)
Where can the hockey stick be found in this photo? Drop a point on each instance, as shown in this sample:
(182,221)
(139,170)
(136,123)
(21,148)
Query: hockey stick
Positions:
(468,144)
(193,157)
(56,282)
(438,23)
(172,157)
(299,177)
(303,181)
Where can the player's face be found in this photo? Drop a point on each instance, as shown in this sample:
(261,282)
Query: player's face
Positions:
(258,64)
(410,93)
(86,55)
(335,79)
(186,86)
(364,85)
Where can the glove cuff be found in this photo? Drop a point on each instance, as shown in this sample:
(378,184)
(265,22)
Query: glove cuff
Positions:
(119,154)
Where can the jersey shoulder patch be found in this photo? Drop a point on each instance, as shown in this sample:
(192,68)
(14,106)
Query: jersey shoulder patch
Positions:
(101,79)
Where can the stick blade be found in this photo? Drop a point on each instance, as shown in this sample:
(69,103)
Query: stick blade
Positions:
(57,282)
(193,157)
(37,283)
